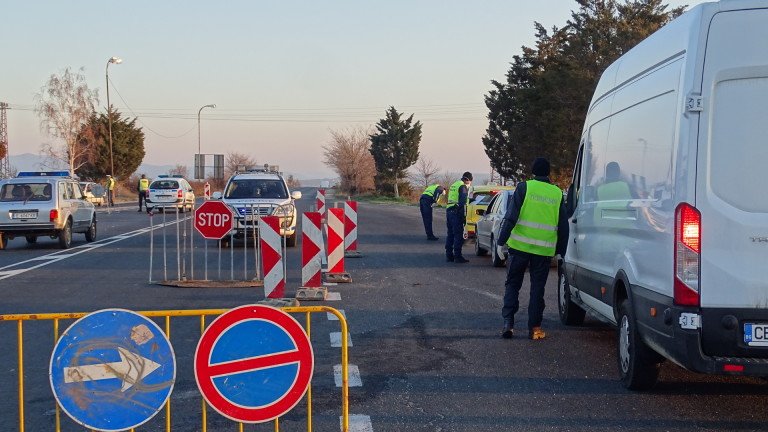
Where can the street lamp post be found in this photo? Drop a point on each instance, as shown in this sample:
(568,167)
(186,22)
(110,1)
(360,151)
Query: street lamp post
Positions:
(198,124)
(115,60)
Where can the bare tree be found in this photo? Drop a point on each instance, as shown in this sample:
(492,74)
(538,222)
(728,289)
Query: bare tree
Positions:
(179,169)
(424,172)
(237,161)
(64,105)
(348,153)
(292,182)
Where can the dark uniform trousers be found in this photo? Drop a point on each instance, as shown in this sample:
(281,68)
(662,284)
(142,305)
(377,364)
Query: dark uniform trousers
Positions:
(455,238)
(142,198)
(539,269)
(425,205)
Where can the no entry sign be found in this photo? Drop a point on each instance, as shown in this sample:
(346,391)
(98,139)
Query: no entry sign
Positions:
(254,363)
(213,220)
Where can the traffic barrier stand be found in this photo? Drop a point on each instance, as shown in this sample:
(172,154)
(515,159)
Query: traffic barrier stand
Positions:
(322,209)
(336,271)
(350,230)
(272,257)
(311,249)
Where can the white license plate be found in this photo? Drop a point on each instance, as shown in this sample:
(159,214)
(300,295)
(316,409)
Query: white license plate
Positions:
(25,215)
(756,334)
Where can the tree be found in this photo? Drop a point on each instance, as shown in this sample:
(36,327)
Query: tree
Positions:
(179,169)
(349,155)
(64,105)
(292,182)
(424,172)
(236,161)
(541,107)
(127,146)
(395,146)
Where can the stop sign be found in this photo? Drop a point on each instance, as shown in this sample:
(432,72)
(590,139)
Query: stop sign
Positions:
(213,220)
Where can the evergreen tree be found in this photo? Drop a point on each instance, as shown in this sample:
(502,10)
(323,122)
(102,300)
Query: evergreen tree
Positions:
(540,109)
(127,146)
(395,147)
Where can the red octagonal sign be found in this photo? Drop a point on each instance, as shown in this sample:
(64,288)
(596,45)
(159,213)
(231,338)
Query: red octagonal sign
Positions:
(213,220)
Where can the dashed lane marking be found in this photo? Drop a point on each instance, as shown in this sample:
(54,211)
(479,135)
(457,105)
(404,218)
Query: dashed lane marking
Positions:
(333,296)
(353,375)
(332,317)
(357,423)
(336,339)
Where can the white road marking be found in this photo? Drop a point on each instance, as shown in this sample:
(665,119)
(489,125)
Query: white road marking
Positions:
(333,296)
(330,283)
(357,423)
(336,339)
(353,376)
(332,317)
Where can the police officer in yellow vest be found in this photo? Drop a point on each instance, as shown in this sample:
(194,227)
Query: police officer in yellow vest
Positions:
(455,215)
(535,228)
(428,198)
(143,188)
(110,190)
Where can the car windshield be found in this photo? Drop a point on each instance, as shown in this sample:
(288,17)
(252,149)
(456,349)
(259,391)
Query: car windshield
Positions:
(164,184)
(256,188)
(482,198)
(25,192)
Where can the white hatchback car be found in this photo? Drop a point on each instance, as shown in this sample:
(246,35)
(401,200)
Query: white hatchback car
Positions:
(169,193)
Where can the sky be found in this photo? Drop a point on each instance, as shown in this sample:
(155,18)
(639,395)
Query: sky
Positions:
(282,74)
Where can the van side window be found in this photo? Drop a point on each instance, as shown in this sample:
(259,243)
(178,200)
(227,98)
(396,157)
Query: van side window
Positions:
(594,166)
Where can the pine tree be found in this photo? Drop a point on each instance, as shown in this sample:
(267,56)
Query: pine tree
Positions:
(127,146)
(395,146)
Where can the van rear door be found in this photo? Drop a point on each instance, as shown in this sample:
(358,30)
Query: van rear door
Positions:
(732,185)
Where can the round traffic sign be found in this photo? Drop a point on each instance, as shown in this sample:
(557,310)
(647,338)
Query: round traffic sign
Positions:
(112,370)
(254,363)
(213,219)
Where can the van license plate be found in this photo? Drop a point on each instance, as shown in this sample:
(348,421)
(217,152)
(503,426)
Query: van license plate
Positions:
(756,334)
(24,215)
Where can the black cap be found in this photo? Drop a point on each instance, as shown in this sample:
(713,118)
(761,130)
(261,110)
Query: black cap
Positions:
(467,176)
(540,167)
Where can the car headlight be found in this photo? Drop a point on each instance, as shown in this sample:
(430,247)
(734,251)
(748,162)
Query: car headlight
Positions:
(284,211)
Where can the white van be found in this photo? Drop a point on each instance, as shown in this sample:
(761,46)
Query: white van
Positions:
(669,225)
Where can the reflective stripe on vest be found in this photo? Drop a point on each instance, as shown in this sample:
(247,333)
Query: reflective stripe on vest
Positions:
(536,229)
(453,193)
(143,184)
(430,191)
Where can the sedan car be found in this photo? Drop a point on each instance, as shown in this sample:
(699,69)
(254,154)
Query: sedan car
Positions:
(478,199)
(489,225)
(170,192)
(93,192)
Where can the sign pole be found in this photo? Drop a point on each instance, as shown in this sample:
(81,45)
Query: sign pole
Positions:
(151,244)
(165,251)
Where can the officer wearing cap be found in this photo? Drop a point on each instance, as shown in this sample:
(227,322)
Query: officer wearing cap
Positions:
(535,228)
(456,218)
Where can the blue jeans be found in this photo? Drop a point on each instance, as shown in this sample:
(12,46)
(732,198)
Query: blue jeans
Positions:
(517,262)
(455,238)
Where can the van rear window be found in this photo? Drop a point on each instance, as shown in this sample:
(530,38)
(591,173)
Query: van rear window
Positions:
(164,184)
(25,192)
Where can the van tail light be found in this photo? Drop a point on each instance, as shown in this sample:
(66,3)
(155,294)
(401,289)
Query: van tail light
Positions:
(687,255)
(179,194)
(54,215)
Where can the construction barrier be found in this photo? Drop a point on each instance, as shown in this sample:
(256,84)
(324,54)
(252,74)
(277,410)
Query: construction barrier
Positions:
(272,257)
(350,230)
(320,202)
(311,265)
(336,271)
(202,407)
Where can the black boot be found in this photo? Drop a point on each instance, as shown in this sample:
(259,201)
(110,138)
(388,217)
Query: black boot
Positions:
(507,331)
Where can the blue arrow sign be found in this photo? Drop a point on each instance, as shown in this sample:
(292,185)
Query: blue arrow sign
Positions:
(112,370)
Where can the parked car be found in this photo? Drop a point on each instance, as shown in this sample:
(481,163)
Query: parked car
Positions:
(170,192)
(488,226)
(45,203)
(260,192)
(669,226)
(478,199)
(93,192)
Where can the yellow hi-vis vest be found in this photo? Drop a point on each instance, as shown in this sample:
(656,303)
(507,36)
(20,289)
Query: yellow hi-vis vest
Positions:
(536,229)
(453,193)
(430,191)
(111,183)
(143,184)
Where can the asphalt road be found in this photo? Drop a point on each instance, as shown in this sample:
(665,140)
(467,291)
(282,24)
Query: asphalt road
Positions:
(424,338)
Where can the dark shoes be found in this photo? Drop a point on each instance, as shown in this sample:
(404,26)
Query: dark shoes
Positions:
(507,331)
(448,259)
(460,260)
(433,238)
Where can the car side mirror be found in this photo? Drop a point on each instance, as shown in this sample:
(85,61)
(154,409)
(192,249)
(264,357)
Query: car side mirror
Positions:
(479,212)
(296,195)
(216,195)
(570,201)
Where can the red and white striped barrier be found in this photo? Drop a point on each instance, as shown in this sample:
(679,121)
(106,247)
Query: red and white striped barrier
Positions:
(350,230)
(311,247)
(272,256)
(320,202)
(336,271)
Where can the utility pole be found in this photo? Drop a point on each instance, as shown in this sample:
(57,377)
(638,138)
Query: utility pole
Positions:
(5,164)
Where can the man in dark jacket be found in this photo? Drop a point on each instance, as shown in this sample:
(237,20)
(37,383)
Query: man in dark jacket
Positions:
(535,228)
(455,218)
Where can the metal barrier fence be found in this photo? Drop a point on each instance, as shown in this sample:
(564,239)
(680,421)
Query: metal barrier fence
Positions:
(167,315)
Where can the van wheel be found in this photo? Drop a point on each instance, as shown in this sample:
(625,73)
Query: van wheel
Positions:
(290,241)
(570,313)
(65,236)
(638,365)
(31,239)
(90,235)
(478,250)
(496,260)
